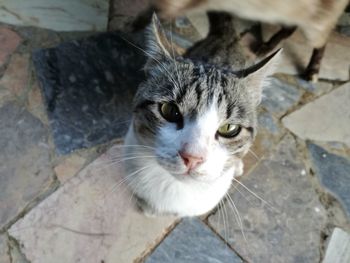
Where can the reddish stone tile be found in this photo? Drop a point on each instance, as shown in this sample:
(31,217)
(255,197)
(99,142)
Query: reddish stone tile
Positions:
(91,218)
(35,103)
(16,75)
(9,41)
(69,167)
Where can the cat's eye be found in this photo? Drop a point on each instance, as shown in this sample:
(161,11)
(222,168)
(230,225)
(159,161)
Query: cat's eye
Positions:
(170,112)
(229,130)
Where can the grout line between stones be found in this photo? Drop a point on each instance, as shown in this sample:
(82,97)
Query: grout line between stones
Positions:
(206,222)
(13,244)
(335,218)
(52,187)
(147,252)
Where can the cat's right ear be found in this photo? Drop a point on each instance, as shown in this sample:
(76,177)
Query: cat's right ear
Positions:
(158,47)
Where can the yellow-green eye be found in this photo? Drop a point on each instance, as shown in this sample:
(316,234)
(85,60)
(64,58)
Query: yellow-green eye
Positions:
(229,130)
(170,112)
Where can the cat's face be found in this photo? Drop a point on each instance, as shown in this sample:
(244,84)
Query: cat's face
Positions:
(199,118)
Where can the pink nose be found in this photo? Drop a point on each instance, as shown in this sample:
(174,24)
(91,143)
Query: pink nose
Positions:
(191,161)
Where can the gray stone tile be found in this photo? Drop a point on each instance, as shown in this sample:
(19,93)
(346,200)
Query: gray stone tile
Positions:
(338,249)
(60,15)
(325,119)
(280,96)
(288,232)
(4,250)
(267,122)
(334,173)
(269,133)
(88,86)
(90,219)
(192,241)
(25,170)
(317,88)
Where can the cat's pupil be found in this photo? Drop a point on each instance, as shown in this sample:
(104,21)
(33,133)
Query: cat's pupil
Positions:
(170,112)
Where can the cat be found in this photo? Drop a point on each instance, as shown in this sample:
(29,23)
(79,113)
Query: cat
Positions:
(194,119)
(315,18)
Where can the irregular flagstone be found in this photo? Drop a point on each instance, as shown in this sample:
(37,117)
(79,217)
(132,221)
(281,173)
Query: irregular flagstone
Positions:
(280,96)
(5,96)
(289,231)
(325,119)
(333,172)
(25,171)
(88,87)
(338,249)
(69,167)
(9,41)
(192,241)
(269,133)
(91,218)
(4,250)
(15,78)
(59,15)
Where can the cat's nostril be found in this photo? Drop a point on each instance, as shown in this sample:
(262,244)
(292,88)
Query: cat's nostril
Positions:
(191,161)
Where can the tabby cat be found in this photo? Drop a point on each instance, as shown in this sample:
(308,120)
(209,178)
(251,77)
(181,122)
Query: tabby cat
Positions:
(194,119)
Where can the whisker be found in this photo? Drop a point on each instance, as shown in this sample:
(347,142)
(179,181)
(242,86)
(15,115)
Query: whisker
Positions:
(174,59)
(225,217)
(240,222)
(150,55)
(126,178)
(254,154)
(257,196)
(133,145)
(110,163)
(241,193)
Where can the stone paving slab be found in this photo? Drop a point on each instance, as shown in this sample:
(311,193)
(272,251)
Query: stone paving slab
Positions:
(25,168)
(280,96)
(333,172)
(69,167)
(288,232)
(91,218)
(9,41)
(325,119)
(88,86)
(15,78)
(4,253)
(60,15)
(338,249)
(192,241)
(269,133)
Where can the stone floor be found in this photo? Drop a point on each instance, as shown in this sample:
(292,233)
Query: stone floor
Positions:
(291,205)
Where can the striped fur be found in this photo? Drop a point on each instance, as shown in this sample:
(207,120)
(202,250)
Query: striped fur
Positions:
(210,91)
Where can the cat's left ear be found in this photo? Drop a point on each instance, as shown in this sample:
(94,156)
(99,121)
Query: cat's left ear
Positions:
(158,46)
(257,75)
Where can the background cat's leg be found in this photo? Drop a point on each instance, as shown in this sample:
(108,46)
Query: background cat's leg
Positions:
(313,68)
(270,45)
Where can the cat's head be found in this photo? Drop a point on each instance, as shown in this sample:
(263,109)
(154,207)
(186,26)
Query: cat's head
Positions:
(200,118)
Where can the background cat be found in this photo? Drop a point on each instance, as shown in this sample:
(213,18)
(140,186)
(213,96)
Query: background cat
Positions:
(194,119)
(315,18)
